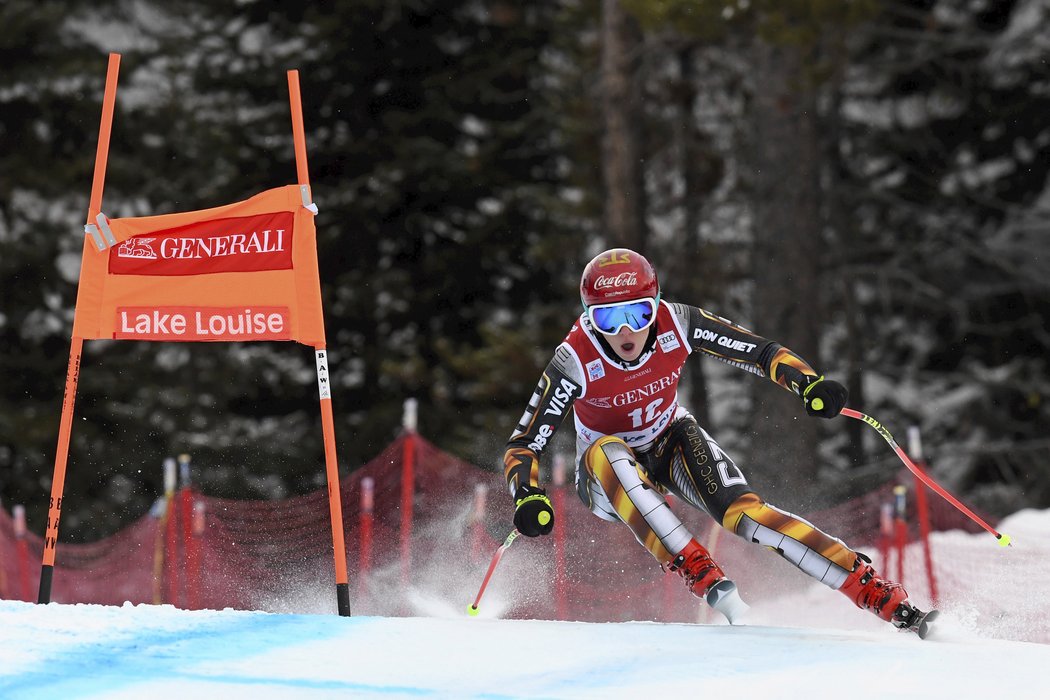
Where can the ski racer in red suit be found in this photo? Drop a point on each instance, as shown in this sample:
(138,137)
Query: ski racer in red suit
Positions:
(618,368)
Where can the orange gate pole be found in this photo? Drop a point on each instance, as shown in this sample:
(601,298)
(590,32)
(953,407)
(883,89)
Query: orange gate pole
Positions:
(342,586)
(65,426)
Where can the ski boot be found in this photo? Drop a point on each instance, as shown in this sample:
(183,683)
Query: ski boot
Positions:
(885,598)
(706,581)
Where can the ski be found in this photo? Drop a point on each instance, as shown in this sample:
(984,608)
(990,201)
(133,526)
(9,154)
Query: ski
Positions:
(914,620)
(724,598)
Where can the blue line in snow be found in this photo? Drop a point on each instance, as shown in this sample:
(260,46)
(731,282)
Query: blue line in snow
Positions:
(115,663)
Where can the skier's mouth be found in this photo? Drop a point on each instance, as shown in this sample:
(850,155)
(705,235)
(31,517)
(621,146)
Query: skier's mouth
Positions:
(627,347)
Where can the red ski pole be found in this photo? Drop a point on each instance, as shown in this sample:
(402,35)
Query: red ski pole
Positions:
(473,609)
(1004,540)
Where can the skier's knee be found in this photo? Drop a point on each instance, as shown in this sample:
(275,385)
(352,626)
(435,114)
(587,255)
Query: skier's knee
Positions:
(612,463)
(741,513)
(596,480)
(605,450)
(824,557)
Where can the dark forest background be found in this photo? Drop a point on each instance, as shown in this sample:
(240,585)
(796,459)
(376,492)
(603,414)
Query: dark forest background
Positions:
(863,181)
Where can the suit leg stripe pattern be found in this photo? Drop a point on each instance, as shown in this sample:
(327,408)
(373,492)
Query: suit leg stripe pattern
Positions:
(637,503)
(821,556)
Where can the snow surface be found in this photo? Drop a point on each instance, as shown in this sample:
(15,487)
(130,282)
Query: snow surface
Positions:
(82,651)
(146,651)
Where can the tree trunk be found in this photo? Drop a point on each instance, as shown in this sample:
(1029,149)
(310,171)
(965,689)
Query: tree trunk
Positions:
(697,183)
(784,162)
(621,109)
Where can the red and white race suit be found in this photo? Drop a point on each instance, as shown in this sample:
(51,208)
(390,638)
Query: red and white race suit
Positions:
(636,401)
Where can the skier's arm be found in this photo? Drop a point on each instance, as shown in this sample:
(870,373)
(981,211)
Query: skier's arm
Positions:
(554,395)
(557,390)
(723,339)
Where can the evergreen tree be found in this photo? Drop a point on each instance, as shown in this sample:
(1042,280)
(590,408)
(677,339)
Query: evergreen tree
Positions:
(437,165)
(947,165)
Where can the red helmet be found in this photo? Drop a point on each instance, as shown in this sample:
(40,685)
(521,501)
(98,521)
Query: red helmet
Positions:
(616,275)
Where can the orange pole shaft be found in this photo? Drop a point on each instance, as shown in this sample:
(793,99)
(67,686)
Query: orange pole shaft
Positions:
(58,481)
(335,506)
(334,495)
(109,100)
(298,132)
(65,429)
(334,500)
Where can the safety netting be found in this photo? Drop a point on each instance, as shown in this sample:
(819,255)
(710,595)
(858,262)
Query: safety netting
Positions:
(421,528)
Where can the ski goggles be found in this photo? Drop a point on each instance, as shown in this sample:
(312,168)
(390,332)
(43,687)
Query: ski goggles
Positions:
(637,315)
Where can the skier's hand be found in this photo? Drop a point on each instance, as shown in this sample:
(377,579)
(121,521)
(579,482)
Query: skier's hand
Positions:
(824,398)
(533,513)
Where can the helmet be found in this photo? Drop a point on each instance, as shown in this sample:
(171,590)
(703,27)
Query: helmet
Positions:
(617,275)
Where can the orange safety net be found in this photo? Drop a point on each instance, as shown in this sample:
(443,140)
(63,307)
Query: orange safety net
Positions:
(207,552)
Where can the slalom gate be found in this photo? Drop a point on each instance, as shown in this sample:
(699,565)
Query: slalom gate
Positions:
(242,272)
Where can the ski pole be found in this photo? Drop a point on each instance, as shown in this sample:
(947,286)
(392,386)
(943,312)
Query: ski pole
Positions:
(473,609)
(1004,539)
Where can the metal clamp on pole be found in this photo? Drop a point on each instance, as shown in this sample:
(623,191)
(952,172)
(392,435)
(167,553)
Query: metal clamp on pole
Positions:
(304,190)
(92,230)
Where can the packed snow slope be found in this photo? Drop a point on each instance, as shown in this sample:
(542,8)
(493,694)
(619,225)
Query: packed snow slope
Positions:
(805,642)
(90,651)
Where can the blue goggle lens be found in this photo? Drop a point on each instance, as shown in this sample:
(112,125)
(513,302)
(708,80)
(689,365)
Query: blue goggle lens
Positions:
(636,315)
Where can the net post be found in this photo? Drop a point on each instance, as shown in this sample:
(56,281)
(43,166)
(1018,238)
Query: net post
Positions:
(160,548)
(408,485)
(923,507)
(558,497)
(365,521)
(900,508)
(477,529)
(185,533)
(19,513)
(194,557)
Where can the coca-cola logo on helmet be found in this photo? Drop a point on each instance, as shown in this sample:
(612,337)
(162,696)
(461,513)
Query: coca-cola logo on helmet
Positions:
(624,279)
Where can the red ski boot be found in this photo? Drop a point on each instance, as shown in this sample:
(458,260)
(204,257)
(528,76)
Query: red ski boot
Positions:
(696,566)
(707,581)
(886,599)
(869,591)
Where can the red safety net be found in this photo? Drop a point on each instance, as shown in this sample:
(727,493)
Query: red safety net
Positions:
(205,552)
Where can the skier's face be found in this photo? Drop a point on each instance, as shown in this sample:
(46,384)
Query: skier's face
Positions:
(626,343)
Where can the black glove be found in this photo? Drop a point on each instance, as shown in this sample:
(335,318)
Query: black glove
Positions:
(824,397)
(533,513)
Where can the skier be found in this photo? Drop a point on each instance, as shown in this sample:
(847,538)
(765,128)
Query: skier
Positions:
(618,368)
